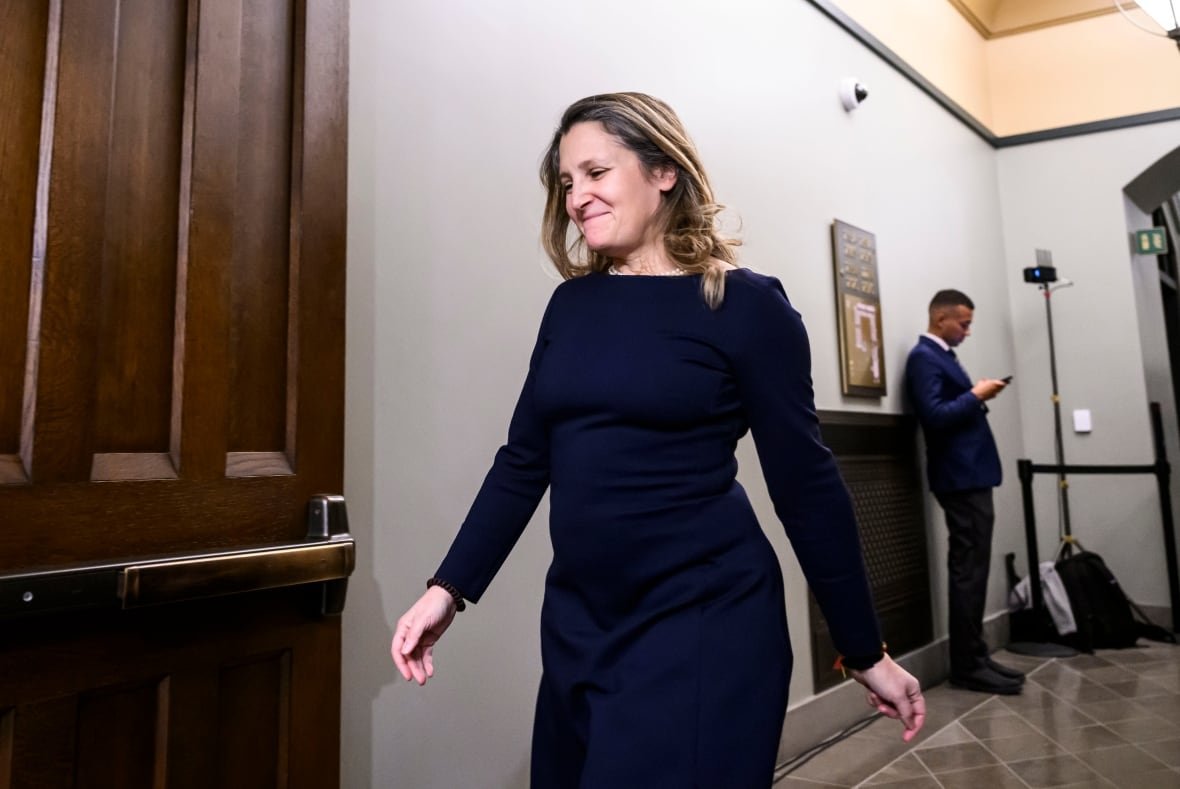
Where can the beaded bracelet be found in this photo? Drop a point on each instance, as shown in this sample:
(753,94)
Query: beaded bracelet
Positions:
(460,603)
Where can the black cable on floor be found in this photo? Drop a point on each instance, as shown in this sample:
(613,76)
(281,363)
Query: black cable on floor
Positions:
(797,761)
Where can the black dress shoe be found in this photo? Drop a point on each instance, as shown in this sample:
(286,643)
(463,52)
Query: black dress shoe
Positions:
(984,680)
(1004,671)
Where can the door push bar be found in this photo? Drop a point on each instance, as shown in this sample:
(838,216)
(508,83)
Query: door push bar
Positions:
(325,558)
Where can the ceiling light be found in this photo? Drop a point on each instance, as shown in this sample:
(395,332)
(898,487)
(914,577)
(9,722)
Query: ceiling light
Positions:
(1165,13)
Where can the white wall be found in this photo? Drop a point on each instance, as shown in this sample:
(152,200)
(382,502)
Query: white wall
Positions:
(1066,196)
(451,106)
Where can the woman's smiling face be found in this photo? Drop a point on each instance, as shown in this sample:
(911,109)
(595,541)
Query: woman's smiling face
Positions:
(609,196)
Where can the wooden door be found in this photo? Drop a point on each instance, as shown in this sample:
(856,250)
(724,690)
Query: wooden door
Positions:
(172,219)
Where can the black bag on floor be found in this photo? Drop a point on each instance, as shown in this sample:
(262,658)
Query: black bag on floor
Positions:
(1100,608)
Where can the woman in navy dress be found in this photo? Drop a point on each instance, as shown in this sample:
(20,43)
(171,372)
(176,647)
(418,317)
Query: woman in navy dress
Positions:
(663,629)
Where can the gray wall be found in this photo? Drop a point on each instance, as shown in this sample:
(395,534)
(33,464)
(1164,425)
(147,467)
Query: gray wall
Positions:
(1066,196)
(450,107)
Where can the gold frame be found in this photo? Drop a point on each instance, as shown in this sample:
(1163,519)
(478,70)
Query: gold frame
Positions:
(858,311)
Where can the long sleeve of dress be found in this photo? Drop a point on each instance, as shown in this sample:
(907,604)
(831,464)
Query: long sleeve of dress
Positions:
(773,370)
(509,495)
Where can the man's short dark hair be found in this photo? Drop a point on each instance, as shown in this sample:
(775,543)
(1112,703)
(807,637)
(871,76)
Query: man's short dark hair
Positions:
(951,298)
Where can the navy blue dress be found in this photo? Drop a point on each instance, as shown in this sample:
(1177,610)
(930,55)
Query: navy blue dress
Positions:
(663,630)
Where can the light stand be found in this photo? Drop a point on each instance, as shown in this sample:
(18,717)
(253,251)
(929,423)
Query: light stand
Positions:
(1043,275)
(1062,483)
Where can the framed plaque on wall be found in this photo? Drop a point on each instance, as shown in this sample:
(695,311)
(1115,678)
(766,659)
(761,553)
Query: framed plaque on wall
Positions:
(858,311)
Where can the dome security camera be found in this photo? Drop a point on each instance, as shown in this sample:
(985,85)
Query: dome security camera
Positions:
(852,93)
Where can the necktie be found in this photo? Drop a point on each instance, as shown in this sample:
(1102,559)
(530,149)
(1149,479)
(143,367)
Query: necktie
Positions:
(954,356)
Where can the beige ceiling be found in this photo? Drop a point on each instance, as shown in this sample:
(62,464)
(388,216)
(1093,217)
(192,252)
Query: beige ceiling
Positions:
(1075,62)
(995,18)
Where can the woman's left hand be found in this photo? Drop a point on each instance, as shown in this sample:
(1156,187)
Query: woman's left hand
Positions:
(895,693)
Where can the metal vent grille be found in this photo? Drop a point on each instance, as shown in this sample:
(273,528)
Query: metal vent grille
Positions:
(895,551)
(879,463)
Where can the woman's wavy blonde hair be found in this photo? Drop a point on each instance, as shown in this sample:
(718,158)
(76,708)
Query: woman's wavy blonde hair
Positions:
(688,214)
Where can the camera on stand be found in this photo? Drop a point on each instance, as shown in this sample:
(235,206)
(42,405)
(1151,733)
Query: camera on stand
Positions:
(1040,275)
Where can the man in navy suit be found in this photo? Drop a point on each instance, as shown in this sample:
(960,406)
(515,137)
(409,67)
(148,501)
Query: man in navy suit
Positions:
(963,466)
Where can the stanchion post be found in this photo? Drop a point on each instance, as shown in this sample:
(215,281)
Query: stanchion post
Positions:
(1037,615)
(1024,469)
(1058,444)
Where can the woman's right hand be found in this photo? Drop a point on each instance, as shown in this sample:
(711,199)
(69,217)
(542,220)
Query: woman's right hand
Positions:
(417,632)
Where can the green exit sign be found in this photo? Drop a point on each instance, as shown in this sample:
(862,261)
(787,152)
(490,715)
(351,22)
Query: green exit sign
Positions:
(1151,242)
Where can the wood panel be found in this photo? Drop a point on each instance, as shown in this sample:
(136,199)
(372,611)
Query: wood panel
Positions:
(119,736)
(119,390)
(109,522)
(195,696)
(254,702)
(6,748)
(203,325)
(322,218)
(176,246)
(64,427)
(260,279)
(193,734)
(188,319)
(43,744)
(23,35)
(138,245)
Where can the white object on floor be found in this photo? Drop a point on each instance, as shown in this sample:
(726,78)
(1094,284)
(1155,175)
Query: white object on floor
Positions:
(1056,599)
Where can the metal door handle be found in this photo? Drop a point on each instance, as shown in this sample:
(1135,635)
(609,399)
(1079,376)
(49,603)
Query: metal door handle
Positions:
(327,557)
(232,572)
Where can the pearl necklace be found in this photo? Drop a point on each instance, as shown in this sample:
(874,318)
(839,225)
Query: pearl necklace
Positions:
(614,271)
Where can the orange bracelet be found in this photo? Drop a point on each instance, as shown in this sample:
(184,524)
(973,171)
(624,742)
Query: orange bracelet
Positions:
(839,664)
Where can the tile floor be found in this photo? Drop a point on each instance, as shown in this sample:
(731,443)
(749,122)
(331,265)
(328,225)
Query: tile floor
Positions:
(1111,719)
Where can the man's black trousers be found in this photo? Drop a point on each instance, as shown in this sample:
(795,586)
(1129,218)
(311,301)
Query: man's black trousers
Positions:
(969,519)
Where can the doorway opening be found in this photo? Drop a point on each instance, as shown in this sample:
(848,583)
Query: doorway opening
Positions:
(1167,216)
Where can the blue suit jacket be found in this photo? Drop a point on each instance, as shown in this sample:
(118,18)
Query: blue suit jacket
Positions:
(960,450)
